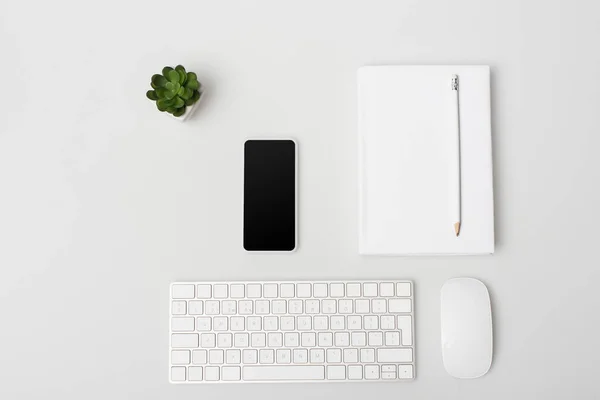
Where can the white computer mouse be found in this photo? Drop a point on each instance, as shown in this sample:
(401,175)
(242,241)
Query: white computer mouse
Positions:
(467,341)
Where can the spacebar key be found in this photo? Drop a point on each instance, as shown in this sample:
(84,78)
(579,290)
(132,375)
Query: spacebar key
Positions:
(284,373)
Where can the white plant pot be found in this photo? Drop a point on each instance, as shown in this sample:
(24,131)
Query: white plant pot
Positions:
(189,111)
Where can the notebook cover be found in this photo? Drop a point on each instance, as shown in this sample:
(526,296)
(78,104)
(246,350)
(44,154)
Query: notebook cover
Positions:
(405,142)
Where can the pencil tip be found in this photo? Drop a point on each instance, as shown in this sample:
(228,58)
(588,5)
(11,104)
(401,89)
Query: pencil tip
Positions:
(457,228)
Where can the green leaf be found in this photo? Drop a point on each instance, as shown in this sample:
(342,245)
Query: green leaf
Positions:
(166,70)
(169,94)
(160,104)
(169,86)
(176,87)
(173,76)
(159,80)
(182,76)
(171,110)
(196,96)
(192,84)
(180,68)
(181,91)
(160,93)
(151,94)
(192,76)
(179,112)
(187,93)
(178,102)
(153,85)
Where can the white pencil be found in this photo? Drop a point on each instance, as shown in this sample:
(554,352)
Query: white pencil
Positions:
(455,160)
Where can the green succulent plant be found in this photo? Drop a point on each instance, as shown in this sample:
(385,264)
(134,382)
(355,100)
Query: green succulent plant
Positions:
(174,90)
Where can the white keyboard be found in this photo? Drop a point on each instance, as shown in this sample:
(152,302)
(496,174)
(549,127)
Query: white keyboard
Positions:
(291,331)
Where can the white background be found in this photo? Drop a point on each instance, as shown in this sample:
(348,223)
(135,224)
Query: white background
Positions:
(104,201)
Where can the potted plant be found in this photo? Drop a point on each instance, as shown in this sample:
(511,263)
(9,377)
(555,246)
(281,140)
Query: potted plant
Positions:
(175,91)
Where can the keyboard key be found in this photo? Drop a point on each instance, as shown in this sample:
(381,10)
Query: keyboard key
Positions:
(195,307)
(358,339)
(250,356)
(385,355)
(203,291)
(345,306)
(253,323)
(254,290)
(180,357)
(362,306)
(303,290)
(220,291)
(266,356)
(371,372)
(229,307)
(405,372)
(320,323)
(355,372)
(400,305)
(195,373)
(334,355)
(403,289)
(291,339)
(270,290)
(207,340)
(300,356)
(336,290)
(367,355)
(220,323)
(211,307)
(312,306)
(233,356)
(179,324)
(328,306)
(182,291)
(354,322)
(240,340)
(320,290)
(317,356)
(215,356)
(379,306)
(237,323)
(259,339)
(325,339)
(283,373)
(342,339)
(275,339)
(287,323)
(178,307)
(262,307)
(392,338)
(199,357)
(309,339)
(224,340)
(203,323)
(284,356)
(286,290)
(353,290)
(304,323)
(178,374)
(405,326)
(230,373)
(386,322)
(370,289)
(188,340)
(337,322)
(350,356)
(279,306)
(336,372)
(375,339)
(371,322)
(295,306)
(270,323)
(237,291)
(211,373)
(386,289)
(245,307)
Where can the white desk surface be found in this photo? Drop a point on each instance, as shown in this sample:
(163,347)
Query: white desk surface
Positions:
(104,201)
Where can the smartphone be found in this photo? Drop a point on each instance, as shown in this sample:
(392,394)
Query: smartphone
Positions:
(270,220)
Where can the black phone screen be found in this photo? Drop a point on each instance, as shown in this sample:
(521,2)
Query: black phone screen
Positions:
(270,195)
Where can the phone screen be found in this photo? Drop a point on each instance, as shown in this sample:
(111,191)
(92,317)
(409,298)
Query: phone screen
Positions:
(270,195)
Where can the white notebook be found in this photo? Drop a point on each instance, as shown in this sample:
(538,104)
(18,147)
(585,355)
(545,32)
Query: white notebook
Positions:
(405,144)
